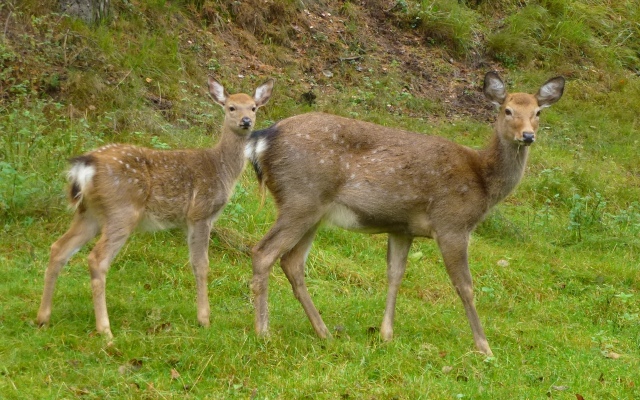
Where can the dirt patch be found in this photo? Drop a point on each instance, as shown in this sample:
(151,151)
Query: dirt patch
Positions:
(311,43)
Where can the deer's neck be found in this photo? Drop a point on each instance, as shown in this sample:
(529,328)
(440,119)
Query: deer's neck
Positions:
(228,154)
(504,164)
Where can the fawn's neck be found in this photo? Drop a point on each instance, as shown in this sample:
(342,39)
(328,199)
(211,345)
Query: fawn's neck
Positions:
(228,153)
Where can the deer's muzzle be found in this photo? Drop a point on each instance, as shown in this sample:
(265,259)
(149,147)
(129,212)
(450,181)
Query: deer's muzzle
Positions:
(246,123)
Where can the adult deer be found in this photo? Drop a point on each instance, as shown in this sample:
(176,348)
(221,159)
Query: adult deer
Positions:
(118,188)
(374,179)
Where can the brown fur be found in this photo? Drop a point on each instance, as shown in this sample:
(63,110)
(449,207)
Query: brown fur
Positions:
(118,188)
(375,179)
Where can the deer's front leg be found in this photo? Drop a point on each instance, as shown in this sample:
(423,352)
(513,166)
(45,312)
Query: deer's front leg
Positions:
(454,252)
(198,239)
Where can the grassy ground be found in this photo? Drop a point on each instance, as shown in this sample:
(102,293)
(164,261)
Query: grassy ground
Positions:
(555,266)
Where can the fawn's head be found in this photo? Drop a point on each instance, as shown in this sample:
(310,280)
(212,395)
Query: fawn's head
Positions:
(518,121)
(240,109)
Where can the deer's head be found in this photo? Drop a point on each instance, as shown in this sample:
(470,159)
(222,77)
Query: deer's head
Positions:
(240,109)
(519,114)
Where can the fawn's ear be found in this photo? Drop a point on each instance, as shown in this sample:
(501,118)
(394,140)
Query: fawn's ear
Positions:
(216,90)
(263,93)
(494,88)
(550,92)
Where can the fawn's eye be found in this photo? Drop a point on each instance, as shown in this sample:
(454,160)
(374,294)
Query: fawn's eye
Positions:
(253,108)
(232,108)
(508,112)
(538,113)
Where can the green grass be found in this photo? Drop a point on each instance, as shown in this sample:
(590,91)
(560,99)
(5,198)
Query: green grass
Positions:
(557,314)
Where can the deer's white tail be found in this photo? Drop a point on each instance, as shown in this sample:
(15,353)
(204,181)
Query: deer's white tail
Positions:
(80,177)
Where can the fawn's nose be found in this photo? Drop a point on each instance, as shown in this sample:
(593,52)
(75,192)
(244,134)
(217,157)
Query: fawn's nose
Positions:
(528,137)
(246,122)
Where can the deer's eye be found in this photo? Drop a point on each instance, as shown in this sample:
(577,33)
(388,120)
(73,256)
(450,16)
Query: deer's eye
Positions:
(232,108)
(538,113)
(508,112)
(253,108)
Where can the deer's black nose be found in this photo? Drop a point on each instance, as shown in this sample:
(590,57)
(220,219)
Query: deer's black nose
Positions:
(246,122)
(528,137)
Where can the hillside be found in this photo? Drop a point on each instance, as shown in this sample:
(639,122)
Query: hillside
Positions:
(322,49)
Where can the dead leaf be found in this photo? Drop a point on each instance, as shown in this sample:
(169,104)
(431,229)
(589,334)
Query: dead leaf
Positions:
(579,397)
(164,327)
(446,369)
(174,374)
(559,388)
(503,263)
(612,355)
(136,364)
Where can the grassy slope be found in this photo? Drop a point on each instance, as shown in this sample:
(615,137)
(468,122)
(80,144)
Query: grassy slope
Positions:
(557,316)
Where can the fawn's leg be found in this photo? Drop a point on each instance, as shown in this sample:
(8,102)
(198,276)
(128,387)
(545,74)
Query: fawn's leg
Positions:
(111,241)
(82,229)
(198,239)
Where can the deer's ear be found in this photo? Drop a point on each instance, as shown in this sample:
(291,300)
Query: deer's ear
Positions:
(550,92)
(216,90)
(263,93)
(494,88)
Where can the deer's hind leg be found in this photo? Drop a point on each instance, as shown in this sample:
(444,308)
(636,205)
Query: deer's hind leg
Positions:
(287,232)
(397,252)
(115,233)
(82,229)
(292,264)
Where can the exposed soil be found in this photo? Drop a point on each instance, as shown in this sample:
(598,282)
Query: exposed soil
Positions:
(316,46)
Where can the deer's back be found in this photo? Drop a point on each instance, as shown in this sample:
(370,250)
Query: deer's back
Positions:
(383,178)
(160,188)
